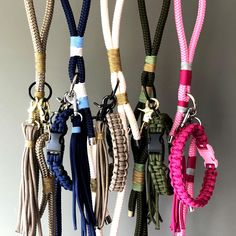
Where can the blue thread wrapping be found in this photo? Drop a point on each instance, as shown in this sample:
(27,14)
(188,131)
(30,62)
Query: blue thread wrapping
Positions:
(83,103)
(76,130)
(77,41)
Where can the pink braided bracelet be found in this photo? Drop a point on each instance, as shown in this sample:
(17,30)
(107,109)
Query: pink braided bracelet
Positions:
(176,156)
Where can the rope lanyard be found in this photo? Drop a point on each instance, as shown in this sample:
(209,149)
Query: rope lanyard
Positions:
(154,126)
(111,38)
(76,63)
(29,210)
(82,125)
(182,174)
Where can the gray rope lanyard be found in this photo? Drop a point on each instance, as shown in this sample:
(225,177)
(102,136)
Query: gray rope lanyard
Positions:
(111,141)
(29,210)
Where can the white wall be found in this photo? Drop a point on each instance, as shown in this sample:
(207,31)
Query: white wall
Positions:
(214,85)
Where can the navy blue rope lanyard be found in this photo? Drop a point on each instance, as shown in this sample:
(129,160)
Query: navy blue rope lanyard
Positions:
(82,128)
(76,65)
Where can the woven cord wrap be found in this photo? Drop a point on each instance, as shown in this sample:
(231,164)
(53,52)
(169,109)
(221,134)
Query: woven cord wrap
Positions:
(187,55)
(183,182)
(158,173)
(48,195)
(119,152)
(55,151)
(76,62)
(175,167)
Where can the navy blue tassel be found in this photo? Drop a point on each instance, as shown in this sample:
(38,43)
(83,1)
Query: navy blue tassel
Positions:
(81,178)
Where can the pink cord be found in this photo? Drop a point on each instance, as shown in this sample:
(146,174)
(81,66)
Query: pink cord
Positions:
(182,177)
(187,55)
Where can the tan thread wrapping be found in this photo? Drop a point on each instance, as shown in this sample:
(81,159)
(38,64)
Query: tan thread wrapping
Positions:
(114,60)
(29,143)
(39,94)
(122,98)
(99,136)
(138,177)
(48,185)
(93,185)
(149,67)
(39,62)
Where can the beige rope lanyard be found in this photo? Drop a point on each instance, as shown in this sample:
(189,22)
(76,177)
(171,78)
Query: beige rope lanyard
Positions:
(29,210)
(48,195)
(39,39)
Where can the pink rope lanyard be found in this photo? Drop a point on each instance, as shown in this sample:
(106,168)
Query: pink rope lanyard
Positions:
(182,174)
(187,55)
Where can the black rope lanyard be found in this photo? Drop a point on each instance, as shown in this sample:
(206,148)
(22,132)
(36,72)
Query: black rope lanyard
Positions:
(141,151)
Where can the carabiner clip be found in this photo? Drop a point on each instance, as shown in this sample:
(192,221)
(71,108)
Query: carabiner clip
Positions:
(191,112)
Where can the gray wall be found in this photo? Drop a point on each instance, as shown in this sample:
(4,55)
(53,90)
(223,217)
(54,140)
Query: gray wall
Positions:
(213,86)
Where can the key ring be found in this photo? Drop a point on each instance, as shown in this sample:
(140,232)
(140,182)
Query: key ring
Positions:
(46,84)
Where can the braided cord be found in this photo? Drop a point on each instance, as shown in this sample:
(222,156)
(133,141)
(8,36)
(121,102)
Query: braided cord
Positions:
(151,49)
(158,173)
(76,65)
(182,178)
(39,39)
(187,56)
(48,195)
(141,155)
